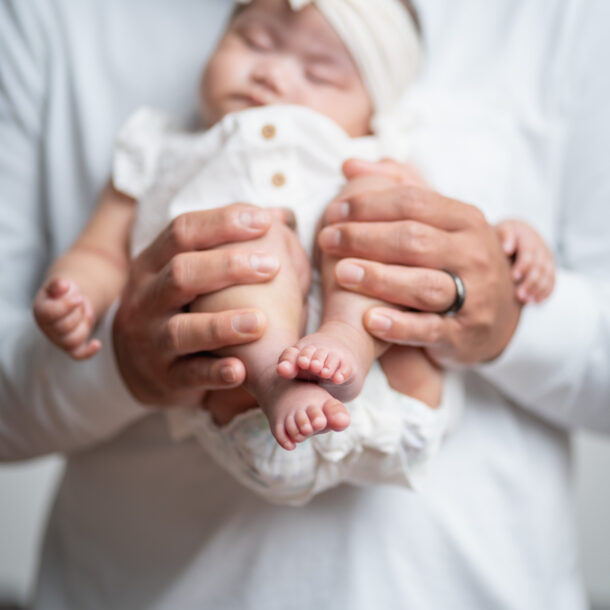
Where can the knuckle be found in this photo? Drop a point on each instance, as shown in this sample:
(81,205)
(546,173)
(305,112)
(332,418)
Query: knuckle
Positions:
(178,272)
(411,237)
(236,263)
(412,196)
(435,331)
(231,215)
(481,259)
(357,202)
(475,215)
(434,290)
(216,330)
(179,232)
(174,334)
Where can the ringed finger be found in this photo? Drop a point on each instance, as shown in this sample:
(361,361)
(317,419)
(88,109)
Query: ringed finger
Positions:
(404,242)
(418,288)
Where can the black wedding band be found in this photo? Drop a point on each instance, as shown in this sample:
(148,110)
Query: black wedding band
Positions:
(460,294)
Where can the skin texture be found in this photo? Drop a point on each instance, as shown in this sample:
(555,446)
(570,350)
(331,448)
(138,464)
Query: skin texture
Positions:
(399,240)
(268,55)
(271,54)
(161,351)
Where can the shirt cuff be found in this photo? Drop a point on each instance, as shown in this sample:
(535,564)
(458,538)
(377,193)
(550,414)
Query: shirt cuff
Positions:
(543,366)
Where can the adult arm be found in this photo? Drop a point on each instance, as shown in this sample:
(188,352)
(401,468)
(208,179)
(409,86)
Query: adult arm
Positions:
(48,402)
(555,362)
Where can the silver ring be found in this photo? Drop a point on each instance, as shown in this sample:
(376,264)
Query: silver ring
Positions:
(460,294)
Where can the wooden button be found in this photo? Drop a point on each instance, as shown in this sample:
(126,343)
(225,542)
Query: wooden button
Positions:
(269,132)
(278,179)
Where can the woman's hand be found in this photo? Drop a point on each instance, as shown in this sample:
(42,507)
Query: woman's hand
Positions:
(399,242)
(159,346)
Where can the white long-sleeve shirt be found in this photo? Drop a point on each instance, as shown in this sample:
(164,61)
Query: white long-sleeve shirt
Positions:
(140,522)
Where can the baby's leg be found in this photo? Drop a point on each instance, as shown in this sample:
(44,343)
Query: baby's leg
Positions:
(295,409)
(410,372)
(341,352)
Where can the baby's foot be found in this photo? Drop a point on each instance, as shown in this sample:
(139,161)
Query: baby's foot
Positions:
(65,316)
(298,409)
(339,355)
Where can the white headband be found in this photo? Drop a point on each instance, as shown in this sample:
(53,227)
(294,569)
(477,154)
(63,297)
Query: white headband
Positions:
(383,40)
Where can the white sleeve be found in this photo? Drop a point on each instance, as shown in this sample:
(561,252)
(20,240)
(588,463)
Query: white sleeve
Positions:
(48,402)
(558,363)
(137,151)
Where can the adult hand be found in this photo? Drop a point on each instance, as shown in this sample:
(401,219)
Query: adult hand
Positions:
(399,242)
(159,346)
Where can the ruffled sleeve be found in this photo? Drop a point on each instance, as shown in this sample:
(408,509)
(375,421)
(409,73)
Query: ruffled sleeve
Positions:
(137,151)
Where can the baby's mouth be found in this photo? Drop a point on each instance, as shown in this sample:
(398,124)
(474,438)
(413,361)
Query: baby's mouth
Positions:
(254,99)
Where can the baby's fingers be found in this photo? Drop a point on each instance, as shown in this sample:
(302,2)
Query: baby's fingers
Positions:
(546,282)
(522,266)
(58,287)
(75,338)
(86,350)
(49,310)
(508,237)
(527,289)
(69,322)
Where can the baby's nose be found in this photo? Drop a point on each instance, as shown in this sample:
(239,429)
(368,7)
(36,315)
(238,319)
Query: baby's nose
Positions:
(278,73)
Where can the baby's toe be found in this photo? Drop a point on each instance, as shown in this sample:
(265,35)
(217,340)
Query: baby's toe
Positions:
(303,423)
(343,373)
(292,429)
(336,414)
(317,361)
(287,363)
(330,366)
(317,418)
(305,356)
(280,433)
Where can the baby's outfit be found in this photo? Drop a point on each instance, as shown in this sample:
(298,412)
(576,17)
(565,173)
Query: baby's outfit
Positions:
(278,156)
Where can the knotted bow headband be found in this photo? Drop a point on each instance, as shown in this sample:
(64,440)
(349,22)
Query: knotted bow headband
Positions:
(383,40)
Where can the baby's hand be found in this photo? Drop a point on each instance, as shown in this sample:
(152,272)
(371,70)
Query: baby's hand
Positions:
(65,316)
(533,269)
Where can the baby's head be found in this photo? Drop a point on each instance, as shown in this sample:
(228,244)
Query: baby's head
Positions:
(274,54)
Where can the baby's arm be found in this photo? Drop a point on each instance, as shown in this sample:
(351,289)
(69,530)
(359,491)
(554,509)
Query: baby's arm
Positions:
(534,268)
(83,282)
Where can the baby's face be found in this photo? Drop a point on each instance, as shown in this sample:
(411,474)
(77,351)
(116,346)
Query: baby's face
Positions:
(273,55)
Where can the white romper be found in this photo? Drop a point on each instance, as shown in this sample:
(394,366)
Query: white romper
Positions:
(278,156)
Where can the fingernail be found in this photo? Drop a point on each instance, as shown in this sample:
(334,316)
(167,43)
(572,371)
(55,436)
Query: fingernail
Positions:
(258,219)
(263,263)
(379,323)
(247,323)
(227,374)
(338,211)
(330,238)
(350,274)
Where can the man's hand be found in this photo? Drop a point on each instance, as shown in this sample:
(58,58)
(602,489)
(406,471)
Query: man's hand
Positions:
(159,346)
(399,242)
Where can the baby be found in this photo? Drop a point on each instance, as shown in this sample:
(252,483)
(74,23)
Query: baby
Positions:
(273,52)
